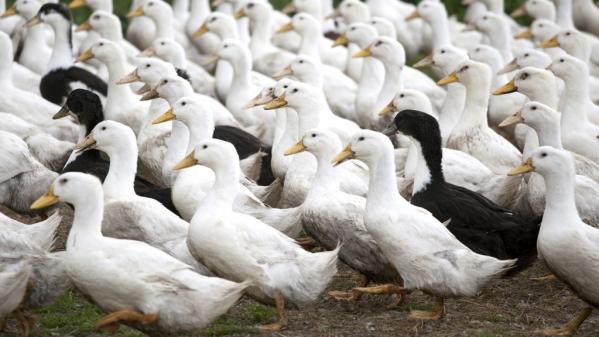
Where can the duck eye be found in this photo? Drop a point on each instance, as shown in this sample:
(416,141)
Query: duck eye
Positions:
(295,90)
(353,28)
(183,103)
(526,55)
(148,66)
(568,33)
(402,96)
(286,86)
(360,139)
(524,76)
(541,26)
(313,135)
(442,51)
(544,154)
(378,43)
(150,4)
(250,5)
(103,128)
(213,19)
(101,44)
(162,43)
(534,108)
(64,181)
(348,5)
(477,50)
(205,147)
(96,17)
(301,61)
(562,60)
(484,17)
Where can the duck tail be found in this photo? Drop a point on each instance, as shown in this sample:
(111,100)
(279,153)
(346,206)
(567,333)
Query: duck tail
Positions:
(44,233)
(318,269)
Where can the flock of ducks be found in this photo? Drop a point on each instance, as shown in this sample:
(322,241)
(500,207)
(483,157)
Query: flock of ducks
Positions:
(202,153)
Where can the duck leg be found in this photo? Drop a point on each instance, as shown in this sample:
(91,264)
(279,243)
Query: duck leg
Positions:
(435,314)
(570,327)
(281,316)
(111,321)
(546,278)
(385,289)
(307,242)
(27,321)
(352,295)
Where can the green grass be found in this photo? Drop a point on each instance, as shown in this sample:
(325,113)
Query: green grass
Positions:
(483,333)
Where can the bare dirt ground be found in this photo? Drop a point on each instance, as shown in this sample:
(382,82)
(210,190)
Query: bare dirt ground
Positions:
(511,307)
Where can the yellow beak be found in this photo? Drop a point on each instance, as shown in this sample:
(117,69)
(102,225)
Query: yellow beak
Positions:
(415,14)
(258,100)
(76,4)
(284,72)
(340,41)
(12,10)
(527,34)
(344,155)
(45,200)
(186,162)
(512,120)
(84,26)
(451,78)
(551,43)
(148,52)
(239,14)
(524,168)
(130,78)
(86,55)
(290,8)
(201,31)
(145,88)
(165,117)
(33,21)
(63,112)
(520,11)
(297,148)
(278,102)
(286,28)
(507,88)
(139,11)
(388,109)
(153,93)
(87,143)
(363,53)
(427,61)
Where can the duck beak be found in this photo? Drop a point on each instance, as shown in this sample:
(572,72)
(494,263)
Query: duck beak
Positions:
(145,88)
(151,94)
(188,161)
(165,117)
(130,78)
(414,15)
(388,109)
(36,20)
(258,100)
(148,52)
(551,43)
(216,3)
(340,41)
(276,103)
(239,14)
(296,148)
(48,199)
(83,27)
(76,4)
(390,130)
(286,28)
(425,62)
(451,78)
(12,10)
(86,55)
(334,14)
(345,154)
(512,120)
(524,168)
(520,11)
(287,71)
(63,112)
(139,11)
(210,60)
(513,65)
(363,53)
(527,34)
(507,88)
(201,31)
(290,8)
(86,144)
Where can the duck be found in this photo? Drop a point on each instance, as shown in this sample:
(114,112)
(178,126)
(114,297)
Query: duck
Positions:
(585,14)
(85,107)
(267,58)
(326,206)
(469,132)
(527,57)
(161,14)
(30,108)
(545,121)
(61,74)
(538,9)
(479,223)
(577,44)
(298,278)
(170,51)
(537,84)
(21,174)
(565,243)
(339,89)
(32,276)
(443,267)
(578,130)
(162,295)
(121,104)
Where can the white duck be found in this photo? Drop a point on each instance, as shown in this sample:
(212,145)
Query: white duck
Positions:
(538,9)
(120,275)
(281,271)
(161,14)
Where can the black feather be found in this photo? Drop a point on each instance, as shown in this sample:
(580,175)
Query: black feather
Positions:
(55,86)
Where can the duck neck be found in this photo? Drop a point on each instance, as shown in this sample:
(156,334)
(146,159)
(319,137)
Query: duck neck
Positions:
(87,221)
(310,45)
(308,118)
(429,171)
(164,26)
(199,132)
(325,178)
(242,72)
(564,14)
(103,6)
(224,190)
(180,9)
(112,33)
(392,84)
(62,54)
(382,188)
(261,36)
(175,146)
(550,134)
(573,102)
(475,108)
(118,95)
(6,56)
(546,93)
(452,108)
(440,27)
(560,196)
(121,173)
(502,41)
